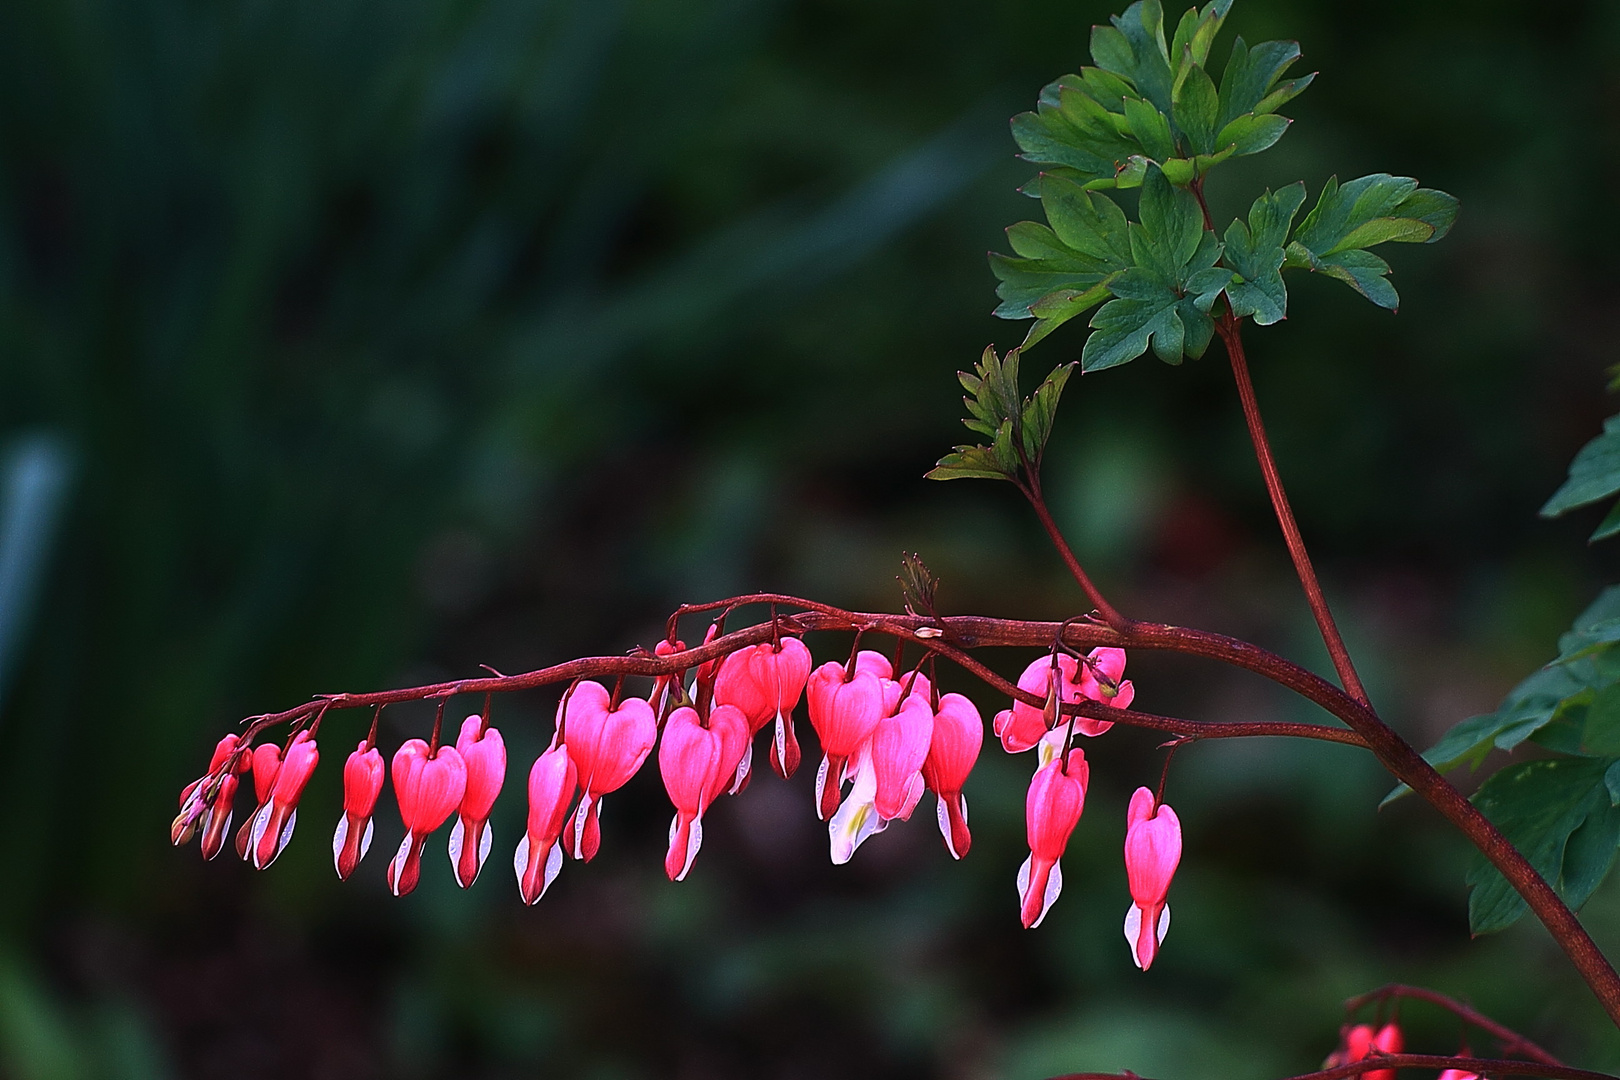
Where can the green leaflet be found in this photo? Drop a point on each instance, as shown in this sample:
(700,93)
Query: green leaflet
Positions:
(1562,816)
(1148,101)
(1163,299)
(1255,254)
(1064,270)
(1593,475)
(1365,212)
(1018,427)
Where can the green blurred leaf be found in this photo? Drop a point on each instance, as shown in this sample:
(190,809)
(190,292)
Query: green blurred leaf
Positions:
(1593,475)
(1255,254)
(1559,814)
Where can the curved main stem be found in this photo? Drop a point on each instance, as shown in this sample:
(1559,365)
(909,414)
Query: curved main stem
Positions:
(1231,337)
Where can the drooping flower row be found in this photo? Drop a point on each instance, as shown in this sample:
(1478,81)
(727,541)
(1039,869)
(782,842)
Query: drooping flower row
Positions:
(886,738)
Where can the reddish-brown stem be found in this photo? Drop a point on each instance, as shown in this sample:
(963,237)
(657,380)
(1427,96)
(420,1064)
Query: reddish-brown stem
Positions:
(950,636)
(1231,336)
(1106,610)
(1511,1041)
(1478,1066)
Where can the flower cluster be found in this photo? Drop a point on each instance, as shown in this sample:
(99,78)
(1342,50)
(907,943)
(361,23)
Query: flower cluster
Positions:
(1358,1042)
(886,738)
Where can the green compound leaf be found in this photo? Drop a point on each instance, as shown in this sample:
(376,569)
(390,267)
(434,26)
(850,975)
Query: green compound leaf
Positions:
(1561,815)
(1255,254)
(1593,475)
(1018,427)
(1134,48)
(1061,271)
(1163,298)
(1372,210)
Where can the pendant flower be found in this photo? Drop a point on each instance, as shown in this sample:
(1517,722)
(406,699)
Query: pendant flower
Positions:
(552,782)
(766,682)
(958,736)
(844,713)
(273,822)
(484,753)
(264,763)
(698,762)
(362,785)
(429,786)
(1096,679)
(1057,795)
(608,745)
(1152,852)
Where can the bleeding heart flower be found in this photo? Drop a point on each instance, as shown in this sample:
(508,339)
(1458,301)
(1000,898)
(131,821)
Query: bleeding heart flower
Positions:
(1152,852)
(844,714)
(1057,795)
(264,763)
(470,838)
(899,748)
(1024,726)
(429,786)
(1458,1074)
(766,681)
(608,746)
(552,783)
(698,763)
(273,822)
(1362,1042)
(210,816)
(952,752)
(362,785)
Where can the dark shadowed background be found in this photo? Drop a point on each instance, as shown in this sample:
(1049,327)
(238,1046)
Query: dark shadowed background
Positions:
(352,343)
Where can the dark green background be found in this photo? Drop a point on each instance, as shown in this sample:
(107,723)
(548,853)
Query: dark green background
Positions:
(388,337)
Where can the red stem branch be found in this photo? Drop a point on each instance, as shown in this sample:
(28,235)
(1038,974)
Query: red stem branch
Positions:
(1478,1066)
(952,635)
(1231,336)
(1512,1042)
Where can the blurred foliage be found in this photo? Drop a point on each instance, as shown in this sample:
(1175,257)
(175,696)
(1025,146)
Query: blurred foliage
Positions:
(388,339)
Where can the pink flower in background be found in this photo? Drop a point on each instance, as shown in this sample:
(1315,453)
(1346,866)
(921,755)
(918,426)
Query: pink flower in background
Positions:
(552,782)
(608,745)
(698,762)
(1024,726)
(484,753)
(362,786)
(1152,852)
(429,786)
(1361,1042)
(952,752)
(1057,795)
